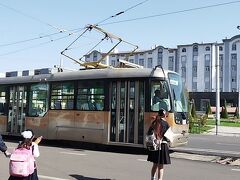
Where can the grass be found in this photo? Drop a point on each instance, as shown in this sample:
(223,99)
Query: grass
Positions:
(225,122)
(197,128)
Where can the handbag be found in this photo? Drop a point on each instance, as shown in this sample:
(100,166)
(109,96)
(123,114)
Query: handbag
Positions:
(169,134)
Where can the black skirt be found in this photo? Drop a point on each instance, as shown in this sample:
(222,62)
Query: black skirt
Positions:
(32,176)
(160,156)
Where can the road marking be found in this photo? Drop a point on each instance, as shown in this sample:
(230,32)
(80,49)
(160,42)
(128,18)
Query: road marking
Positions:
(79,154)
(235,169)
(225,144)
(141,159)
(52,178)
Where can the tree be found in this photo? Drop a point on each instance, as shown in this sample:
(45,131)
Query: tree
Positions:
(224,113)
(193,110)
(236,114)
(209,110)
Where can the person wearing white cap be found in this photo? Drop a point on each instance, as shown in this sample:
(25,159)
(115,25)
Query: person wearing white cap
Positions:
(29,144)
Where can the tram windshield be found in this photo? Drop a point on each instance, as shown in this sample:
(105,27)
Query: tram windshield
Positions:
(160,96)
(179,98)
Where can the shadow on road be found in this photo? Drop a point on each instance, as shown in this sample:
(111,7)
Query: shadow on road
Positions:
(80,177)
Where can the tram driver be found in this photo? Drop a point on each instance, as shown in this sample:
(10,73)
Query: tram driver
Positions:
(160,100)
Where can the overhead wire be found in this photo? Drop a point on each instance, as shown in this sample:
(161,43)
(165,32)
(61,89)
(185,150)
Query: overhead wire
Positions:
(173,12)
(74,31)
(61,31)
(121,12)
(34,18)
(34,46)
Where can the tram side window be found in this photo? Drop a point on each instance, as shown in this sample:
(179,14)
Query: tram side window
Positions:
(62,95)
(90,96)
(38,99)
(160,97)
(3,105)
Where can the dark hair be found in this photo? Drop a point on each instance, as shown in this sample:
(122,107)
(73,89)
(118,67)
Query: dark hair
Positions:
(161,112)
(26,142)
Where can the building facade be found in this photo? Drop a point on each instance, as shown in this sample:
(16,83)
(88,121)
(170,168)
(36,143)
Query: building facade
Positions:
(195,62)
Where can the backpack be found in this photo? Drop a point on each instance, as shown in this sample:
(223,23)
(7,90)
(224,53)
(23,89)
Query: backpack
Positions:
(21,162)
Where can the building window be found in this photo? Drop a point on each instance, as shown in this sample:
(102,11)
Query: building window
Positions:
(183,49)
(233,56)
(234,47)
(220,57)
(94,56)
(234,79)
(141,62)
(207,48)
(183,59)
(207,68)
(171,63)
(160,50)
(234,68)
(159,62)
(195,48)
(113,63)
(207,57)
(195,58)
(149,63)
(220,48)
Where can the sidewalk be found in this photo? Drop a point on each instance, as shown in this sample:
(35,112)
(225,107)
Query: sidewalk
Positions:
(205,152)
(225,131)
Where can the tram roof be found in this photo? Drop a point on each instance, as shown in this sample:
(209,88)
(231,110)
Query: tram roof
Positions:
(107,73)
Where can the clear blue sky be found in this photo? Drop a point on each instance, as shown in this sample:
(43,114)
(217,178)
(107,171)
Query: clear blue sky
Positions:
(23,20)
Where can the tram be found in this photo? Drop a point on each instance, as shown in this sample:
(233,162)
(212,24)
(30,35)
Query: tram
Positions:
(112,106)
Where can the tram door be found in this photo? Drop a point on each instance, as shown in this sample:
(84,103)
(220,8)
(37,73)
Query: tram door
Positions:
(17,108)
(127,112)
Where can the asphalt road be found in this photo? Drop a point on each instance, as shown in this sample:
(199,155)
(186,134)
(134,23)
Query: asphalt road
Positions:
(228,146)
(59,163)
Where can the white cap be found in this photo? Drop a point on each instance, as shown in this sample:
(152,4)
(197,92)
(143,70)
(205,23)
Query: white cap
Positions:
(27,134)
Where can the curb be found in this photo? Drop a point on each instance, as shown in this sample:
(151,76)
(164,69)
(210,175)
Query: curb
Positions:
(208,152)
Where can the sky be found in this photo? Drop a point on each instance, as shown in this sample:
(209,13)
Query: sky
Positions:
(34,33)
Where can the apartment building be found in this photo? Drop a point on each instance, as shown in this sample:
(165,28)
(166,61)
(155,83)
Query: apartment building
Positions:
(196,63)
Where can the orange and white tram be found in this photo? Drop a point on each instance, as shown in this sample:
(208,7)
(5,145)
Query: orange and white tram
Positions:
(106,106)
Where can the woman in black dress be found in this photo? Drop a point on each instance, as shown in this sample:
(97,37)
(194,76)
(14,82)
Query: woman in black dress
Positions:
(160,155)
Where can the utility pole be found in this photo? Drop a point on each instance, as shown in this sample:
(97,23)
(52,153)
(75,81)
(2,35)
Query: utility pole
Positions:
(238,84)
(217,89)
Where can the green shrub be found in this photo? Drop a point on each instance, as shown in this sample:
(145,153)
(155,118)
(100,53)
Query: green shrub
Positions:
(224,113)
(209,110)
(236,114)
(203,119)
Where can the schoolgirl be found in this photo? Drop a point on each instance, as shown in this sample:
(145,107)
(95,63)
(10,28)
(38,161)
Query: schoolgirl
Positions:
(160,155)
(28,143)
